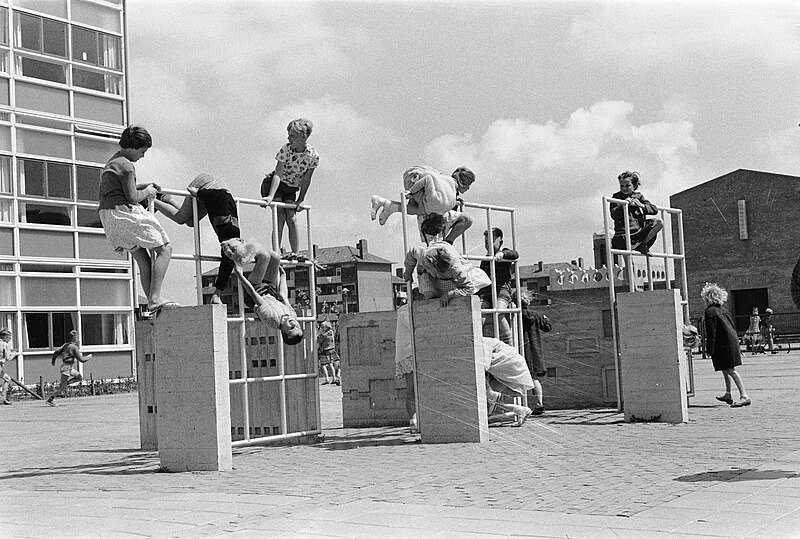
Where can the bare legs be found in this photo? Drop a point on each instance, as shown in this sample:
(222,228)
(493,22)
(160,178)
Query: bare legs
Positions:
(286,217)
(382,208)
(731,374)
(66,380)
(152,271)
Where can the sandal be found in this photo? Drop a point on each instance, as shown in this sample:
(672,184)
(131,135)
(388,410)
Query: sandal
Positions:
(741,402)
(155,309)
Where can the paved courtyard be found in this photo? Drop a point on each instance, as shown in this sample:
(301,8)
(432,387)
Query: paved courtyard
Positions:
(77,471)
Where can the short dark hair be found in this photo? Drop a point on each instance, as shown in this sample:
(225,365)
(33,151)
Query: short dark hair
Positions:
(135,137)
(496,233)
(293,338)
(463,176)
(5,332)
(433,224)
(633,175)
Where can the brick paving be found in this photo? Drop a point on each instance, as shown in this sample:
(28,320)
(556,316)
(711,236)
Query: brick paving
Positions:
(77,471)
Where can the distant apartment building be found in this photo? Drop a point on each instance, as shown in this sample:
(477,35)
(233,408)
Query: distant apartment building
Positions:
(353,280)
(62,108)
(739,231)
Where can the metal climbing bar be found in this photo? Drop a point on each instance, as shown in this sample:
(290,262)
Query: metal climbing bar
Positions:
(308,345)
(667,255)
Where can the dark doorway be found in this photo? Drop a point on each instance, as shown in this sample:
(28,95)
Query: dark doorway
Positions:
(743,303)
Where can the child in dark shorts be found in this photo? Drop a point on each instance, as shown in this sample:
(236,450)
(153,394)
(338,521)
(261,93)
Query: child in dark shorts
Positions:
(215,200)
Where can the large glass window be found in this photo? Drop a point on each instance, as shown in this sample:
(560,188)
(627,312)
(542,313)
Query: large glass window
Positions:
(44,214)
(46,179)
(47,243)
(100,109)
(37,69)
(100,82)
(41,35)
(105,292)
(47,330)
(88,182)
(104,328)
(95,48)
(5,174)
(4,26)
(95,150)
(89,217)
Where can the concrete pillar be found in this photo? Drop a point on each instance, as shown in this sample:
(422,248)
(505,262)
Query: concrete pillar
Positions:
(651,350)
(145,378)
(372,396)
(450,372)
(194,417)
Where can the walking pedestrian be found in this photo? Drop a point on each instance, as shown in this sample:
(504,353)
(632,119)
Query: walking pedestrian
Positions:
(722,343)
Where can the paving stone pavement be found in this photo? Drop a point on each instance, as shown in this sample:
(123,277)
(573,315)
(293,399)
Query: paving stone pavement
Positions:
(77,471)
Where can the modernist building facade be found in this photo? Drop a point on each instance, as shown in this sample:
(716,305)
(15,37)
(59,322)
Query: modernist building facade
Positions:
(739,233)
(62,107)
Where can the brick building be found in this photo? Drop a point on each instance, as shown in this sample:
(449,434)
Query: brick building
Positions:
(353,280)
(738,233)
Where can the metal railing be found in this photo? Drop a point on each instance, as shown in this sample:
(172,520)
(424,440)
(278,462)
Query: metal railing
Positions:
(308,322)
(667,254)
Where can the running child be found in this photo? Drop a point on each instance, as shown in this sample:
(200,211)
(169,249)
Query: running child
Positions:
(69,353)
(266,287)
(128,226)
(6,354)
(290,180)
(215,200)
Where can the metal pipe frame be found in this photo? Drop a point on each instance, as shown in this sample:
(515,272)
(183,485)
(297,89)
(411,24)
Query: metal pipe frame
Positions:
(198,257)
(628,252)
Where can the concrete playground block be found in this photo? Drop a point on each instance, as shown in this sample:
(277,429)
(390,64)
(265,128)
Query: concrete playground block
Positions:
(372,396)
(191,381)
(145,376)
(450,374)
(652,356)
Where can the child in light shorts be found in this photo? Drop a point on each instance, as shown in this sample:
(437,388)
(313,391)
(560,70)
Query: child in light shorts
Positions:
(128,226)
(429,191)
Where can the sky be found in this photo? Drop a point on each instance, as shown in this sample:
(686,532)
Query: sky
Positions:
(546,101)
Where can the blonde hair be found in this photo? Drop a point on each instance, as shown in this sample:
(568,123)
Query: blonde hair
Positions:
(714,294)
(241,251)
(301,125)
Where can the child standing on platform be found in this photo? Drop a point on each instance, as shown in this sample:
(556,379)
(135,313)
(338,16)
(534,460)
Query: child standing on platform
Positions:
(128,226)
(290,180)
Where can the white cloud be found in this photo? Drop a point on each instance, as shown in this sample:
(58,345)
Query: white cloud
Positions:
(555,173)
(645,34)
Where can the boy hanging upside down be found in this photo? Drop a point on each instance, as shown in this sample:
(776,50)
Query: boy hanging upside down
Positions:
(266,287)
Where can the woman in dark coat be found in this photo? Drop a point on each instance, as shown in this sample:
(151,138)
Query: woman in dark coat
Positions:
(722,342)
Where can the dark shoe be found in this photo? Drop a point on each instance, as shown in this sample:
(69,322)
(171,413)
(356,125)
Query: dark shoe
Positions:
(539,410)
(740,403)
(5,401)
(725,398)
(541,374)
(50,402)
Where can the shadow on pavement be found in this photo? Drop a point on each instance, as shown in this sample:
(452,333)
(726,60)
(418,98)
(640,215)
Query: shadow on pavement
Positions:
(348,439)
(133,466)
(744,474)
